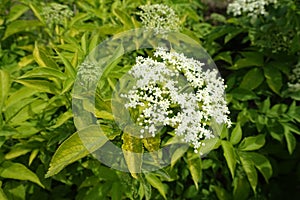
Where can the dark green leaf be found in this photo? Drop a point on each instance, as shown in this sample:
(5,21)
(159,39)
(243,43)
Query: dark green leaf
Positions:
(252,79)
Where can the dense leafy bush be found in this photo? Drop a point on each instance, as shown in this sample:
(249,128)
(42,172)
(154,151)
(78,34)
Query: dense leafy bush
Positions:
(42,157)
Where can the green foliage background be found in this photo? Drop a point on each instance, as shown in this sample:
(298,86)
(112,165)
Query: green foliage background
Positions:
(41,155)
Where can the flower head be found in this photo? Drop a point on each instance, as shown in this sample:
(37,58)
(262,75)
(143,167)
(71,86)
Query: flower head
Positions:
(161,18)
(294,80)
(55,13)
(177,92)
(251,7)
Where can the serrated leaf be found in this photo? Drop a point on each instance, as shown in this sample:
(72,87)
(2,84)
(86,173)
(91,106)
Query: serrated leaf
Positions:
(252,143)
(77,146)
(19,172)
(252,79)
(249,169)
(156,183)
(229,155)
(236,134)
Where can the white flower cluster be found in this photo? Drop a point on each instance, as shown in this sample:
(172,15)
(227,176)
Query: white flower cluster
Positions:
(251,7)
(88,72)
(177,92)
(294,84)
(161,18)
(55,13)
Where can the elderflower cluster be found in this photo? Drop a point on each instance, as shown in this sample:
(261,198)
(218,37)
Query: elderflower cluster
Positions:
(179,93)
(88,72)
(55,13)
(160,18)
(251,7)
(294,84)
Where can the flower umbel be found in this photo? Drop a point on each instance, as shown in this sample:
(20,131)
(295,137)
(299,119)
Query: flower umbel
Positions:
(177,92)
(251,7)
(55,13)
(294,83)
(161,18)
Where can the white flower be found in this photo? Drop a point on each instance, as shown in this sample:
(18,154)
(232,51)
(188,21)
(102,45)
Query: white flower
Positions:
(250,7)
(294,80)
(55,13)
(163,98)
(87,72)
(160,18)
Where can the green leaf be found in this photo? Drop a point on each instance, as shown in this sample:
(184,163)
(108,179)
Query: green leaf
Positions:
(19,95)
(249,169)
(40,56)
(2,194)
(116,191)
(229,155)
(77,146)
(132,148)
(178,153)
(210,144)
(4,87)
(251,59)
(62,119)
(243,94)
(44,72)
(144,189)
(221,193)
(123,17)
(156,183)
(236,134)
(19,172)
(20,26)
(69,69)
(290,140)
(40,85)
(194,165)
(241,188)
(16,11)
(262,164)
(225,56)
(252,143)
(252,79)
(274,78)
